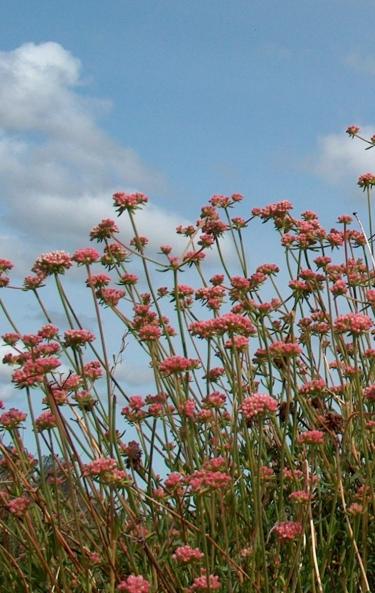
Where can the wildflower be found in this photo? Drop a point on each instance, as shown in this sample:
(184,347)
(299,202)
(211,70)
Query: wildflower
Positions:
(191,257)
(84,400)
(314,387)
(352,131)
(237,343)
(105,469)
(285,349)
(113,255)
(139,243)
(18,506)
(59,396)
(322,261)
(188,408)
(78,337)
(98,280)
(292,474)
(48,331)
(214,374)
(214,400)
(134,584)
(355,508)
(10,338)
(4,281)
(238,222)
(288,530)
(353,323)
(5,265)
(345,219)
(205,583)
(104,230)
(301,496)
(54,262)
(187,554)
(369,392)
(45,421)
(370,297)
(130,202)
(203,480)
(174,481)
(166,249)
(12,418)
(219,201)
(311,437)
(128,279)
(149,333)
(73,382)
(133,455)
(339,288)
(217,279)
(266,473)
(177,364)
(110,296)
(367,180)
(34,282)
(134,411)
(258,405)
(228,323)
(86,256)
(92,370)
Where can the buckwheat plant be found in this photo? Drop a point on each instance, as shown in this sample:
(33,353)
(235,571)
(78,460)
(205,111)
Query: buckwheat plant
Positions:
(249,466)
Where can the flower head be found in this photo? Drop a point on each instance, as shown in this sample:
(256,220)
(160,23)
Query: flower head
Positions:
(53,262)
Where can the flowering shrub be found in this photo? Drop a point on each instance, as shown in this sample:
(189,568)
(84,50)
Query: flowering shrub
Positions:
(250,465)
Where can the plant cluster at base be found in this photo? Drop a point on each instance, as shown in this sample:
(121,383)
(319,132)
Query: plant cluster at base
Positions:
(249,467)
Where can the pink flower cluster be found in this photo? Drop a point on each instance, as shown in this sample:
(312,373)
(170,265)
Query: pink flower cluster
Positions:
(366,180)
(104,230)
(78,337)
(353,323)
(258,405)
(33,371)
(45,421)
(276,211)
(352,131)
(129,202)
(205,583)
(284,349)
(12,418)
(187,554)
(106,470)
(288,530)
(311,437)
(228,323)
(54,262)
(86,256)
(110,296)
(177,364)
(300,496)
(203,480)
(18,506)
(134,584)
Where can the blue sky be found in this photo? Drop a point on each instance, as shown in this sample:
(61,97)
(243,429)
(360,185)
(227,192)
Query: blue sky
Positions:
(217,96)
(180,100)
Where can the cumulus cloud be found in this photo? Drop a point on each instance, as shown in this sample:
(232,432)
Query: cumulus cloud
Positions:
(341,157)
(58,168)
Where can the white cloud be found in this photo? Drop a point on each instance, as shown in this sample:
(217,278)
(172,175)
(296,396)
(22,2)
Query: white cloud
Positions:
(340,157)
(58,168)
